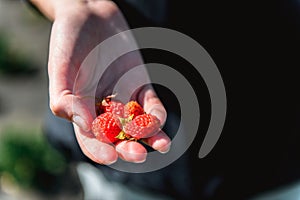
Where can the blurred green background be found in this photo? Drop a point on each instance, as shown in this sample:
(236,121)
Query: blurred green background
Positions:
(29,162)
(29,167)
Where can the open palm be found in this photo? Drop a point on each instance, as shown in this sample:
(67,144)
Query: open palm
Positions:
(78,72)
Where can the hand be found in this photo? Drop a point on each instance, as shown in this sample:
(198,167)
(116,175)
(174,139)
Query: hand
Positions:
(77,29)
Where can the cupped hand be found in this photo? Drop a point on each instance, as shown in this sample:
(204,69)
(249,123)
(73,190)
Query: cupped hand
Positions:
(75,76)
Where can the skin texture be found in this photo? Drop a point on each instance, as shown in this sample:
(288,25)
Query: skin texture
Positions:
(79,26)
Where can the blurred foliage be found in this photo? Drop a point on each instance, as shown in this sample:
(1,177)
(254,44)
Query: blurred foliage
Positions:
(30,160)
(13,63)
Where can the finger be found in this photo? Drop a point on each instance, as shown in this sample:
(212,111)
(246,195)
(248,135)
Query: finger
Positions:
(131,151)
(79,111)
(160,142)
(73,108)
(152,104)
(97,151)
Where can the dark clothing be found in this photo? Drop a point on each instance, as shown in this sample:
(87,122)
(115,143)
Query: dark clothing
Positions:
(256,47)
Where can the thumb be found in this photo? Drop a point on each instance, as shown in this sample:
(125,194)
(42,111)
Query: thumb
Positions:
(75,109)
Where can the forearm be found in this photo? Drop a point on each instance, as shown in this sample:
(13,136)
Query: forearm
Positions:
(52,8)
(46,7)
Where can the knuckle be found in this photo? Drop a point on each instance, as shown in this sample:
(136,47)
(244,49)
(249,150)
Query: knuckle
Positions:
(56,109)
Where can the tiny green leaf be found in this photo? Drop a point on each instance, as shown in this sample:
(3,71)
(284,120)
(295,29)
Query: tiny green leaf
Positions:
(121,135)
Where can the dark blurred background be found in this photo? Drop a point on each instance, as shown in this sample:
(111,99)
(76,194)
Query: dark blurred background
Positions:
(256,46)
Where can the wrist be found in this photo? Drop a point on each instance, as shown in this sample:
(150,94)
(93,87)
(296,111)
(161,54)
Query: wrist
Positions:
(45,7)
(53,9)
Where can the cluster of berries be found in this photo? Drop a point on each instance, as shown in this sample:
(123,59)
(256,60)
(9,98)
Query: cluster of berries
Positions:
(117,122)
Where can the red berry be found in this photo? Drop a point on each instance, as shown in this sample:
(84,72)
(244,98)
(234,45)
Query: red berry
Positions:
(106,127)
(142,126)
(133,108)
(113,106)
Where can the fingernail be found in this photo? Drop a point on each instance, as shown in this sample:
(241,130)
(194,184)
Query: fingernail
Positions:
(81,123)
(159,114)
(109,162)
(165,149)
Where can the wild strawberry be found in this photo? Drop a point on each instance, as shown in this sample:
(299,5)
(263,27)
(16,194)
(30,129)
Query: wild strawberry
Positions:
(106,127)
(113,106)
(142,126)
(133,108)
